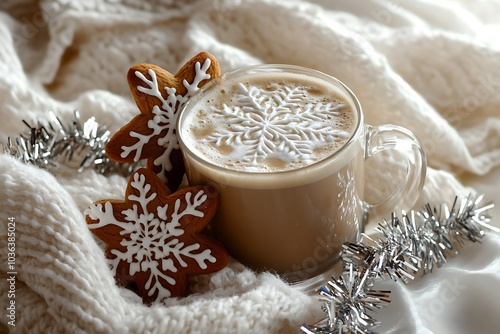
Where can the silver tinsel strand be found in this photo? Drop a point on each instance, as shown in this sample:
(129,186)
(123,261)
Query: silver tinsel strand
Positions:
(347,302)
(416,243)
(79,143)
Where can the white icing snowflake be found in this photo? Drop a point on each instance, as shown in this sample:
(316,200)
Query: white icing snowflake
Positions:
(151,238)
(271,123)
(164,117)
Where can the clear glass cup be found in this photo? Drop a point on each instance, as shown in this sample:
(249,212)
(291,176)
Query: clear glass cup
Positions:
(294,222)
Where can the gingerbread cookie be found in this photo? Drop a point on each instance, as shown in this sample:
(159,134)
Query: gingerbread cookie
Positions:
(153,237)
(160,96)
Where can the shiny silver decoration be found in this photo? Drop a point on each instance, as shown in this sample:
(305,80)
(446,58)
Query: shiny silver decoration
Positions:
(347,302)
(415,244)
(78,144)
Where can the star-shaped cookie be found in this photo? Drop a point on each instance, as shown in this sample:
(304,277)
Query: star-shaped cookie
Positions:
(153,239)
(160,96)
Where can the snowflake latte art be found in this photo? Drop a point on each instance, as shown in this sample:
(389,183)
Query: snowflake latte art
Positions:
(271,122)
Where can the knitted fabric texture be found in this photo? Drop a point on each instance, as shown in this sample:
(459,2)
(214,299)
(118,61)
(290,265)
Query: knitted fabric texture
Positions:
(408,66)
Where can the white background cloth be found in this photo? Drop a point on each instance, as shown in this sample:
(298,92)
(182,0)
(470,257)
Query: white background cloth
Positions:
(433,67)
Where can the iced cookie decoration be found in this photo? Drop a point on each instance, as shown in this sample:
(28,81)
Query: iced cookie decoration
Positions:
(154,238)
(160,96)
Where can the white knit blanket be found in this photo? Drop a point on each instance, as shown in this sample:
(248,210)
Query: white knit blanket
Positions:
(433,67)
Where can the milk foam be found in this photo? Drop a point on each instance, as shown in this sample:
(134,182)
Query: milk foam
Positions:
(269,122)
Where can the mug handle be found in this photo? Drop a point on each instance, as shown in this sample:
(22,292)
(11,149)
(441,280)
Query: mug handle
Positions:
(393,137)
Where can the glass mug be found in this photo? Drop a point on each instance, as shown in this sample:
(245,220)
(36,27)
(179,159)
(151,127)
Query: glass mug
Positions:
(290,184)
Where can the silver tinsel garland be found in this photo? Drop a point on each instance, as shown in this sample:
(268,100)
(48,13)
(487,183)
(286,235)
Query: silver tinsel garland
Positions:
(415,244)
(79,143)
(347,301)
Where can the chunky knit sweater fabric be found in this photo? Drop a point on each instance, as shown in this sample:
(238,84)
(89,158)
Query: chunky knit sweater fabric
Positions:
(432,68)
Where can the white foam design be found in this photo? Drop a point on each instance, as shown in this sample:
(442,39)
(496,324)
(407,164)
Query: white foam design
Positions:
(274,122)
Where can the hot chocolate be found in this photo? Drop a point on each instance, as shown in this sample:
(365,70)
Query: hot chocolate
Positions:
(274,144)
(270,122)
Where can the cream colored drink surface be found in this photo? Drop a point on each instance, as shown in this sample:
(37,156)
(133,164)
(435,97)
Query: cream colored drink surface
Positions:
(270,122)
